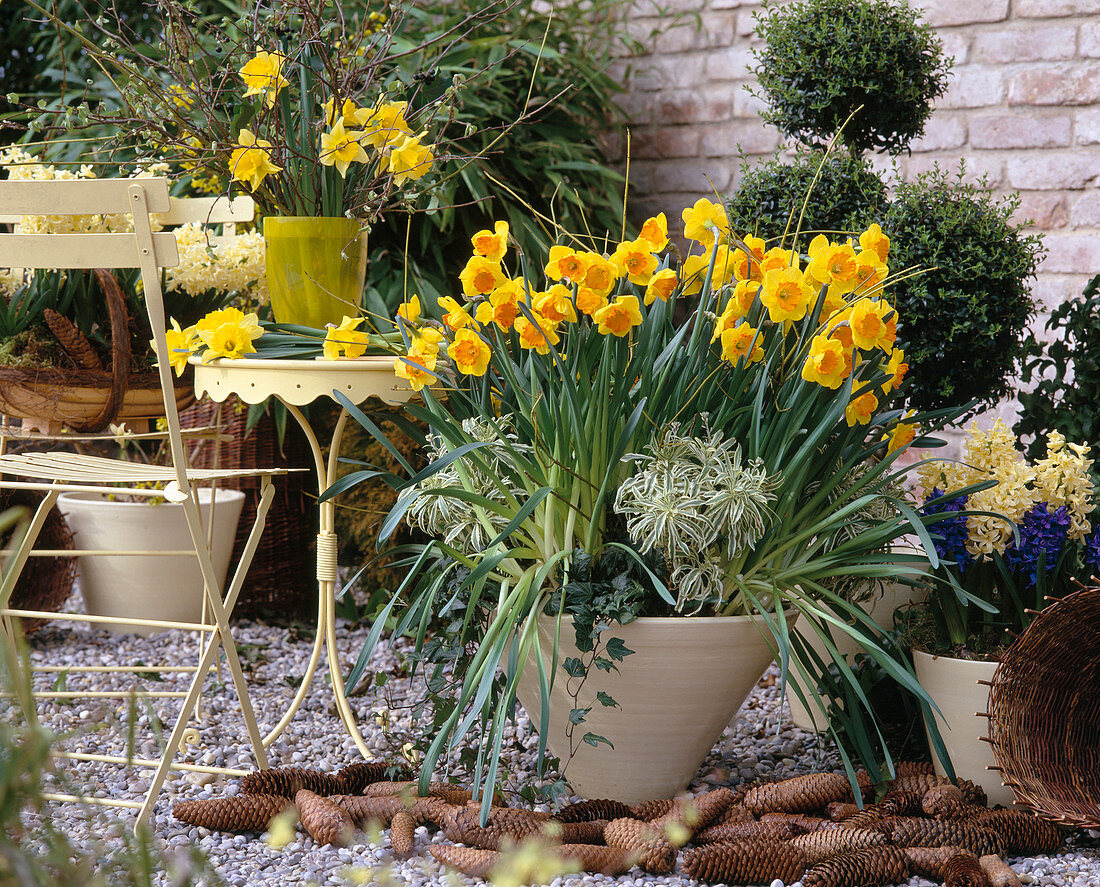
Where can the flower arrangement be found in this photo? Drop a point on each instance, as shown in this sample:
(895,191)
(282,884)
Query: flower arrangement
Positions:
(733,402)
(1009,534)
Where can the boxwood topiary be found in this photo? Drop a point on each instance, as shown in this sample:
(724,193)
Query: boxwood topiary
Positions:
(962,319)
(847,195)
(823,59)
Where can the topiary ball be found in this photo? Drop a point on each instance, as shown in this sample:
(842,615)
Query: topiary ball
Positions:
(964,315)
(824,60)
(847,195)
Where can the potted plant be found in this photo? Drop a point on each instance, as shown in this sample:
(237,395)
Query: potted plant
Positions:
(563,381)
(1010,534)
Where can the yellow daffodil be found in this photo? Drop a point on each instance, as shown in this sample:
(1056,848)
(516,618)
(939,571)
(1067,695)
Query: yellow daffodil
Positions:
(618,318)
(870,271)
(786,295)
(228,340)
(743,297)
(455,315)
(538,334)
(724,261)
(897,367)
(843,334)
(727,320)
(469,353)
(746,265)
(703,220)
(416,367)
(385,124)
(901,437)
(410,311)
(833,263)
(654,233)
(341,148)
(589,300)
(778,259)
(408,159)
(566,263)
(556,304)
(346,339)
(601,273)
(694,272)
(501,308)
(825,363)
(861,409)
(250,161)
(348,114)
(874,240)
(480,277)
(262,74)
(661,285)
(180,345)
(870,326)
(634,259)
(205,328)
(737,342)
(492,245)
(427,339)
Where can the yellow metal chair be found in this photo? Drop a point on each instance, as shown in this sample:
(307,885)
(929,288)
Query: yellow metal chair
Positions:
(53,473)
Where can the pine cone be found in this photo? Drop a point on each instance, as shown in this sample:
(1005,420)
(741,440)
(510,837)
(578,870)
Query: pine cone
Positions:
(504,825)
(900,802)
(998,872)
(733,831)
(962,869)
(1024,833)
(655,853)
(928,862)
(806,823)
(802,794)
(356,777)
(72,341)
(695,814)
(325,822)
(363,810)
(745,861)
(241,813)
(914,768)
(972,794)
(735,812)
(944,802)
(650,810)
(875,865)
(403,833)
(471,861)
(838,811)
(914,832)
(582,833)
(609,861)
(586,811)
(828,842)
(287,781)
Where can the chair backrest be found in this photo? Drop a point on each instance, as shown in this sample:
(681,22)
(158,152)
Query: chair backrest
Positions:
(210,211)
(141,248)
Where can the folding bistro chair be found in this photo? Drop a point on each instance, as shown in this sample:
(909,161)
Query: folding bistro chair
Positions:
(53,473)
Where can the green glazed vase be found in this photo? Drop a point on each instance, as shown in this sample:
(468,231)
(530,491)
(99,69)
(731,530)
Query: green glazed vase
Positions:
(316,266)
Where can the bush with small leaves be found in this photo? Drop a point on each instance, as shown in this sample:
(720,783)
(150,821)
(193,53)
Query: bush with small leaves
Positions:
(823,60)
(971,300)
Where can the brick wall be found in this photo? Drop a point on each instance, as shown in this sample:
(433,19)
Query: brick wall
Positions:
(1022,108)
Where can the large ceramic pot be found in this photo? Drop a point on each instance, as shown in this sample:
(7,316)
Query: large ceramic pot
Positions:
(316,266)
(960,690)
(676,693)
(146,586)
(895,596)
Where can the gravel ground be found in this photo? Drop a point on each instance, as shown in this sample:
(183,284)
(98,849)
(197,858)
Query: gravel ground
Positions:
(751,746)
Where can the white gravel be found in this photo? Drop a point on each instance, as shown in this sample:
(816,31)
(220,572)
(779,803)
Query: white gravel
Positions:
(755,744)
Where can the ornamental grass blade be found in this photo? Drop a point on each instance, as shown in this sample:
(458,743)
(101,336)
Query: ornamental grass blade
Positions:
(359,416)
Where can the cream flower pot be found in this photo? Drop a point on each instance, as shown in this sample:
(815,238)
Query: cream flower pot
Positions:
(676,694)
(895,596)
(953,685)
(146,587)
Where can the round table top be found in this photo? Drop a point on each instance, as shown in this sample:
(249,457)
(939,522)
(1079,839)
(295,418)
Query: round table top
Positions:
(300,382)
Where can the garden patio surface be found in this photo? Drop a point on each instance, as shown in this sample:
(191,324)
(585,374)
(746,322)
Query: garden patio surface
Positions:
(274,656)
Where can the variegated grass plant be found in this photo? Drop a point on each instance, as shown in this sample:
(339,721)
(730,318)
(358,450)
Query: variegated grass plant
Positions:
(735,403)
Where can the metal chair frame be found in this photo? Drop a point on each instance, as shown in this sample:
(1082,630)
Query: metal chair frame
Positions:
(56,472)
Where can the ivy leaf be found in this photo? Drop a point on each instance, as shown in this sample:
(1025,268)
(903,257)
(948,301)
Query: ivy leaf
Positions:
(577,715)
(603,664)
(595,739)
(617,650)
(573,667)
(605,700)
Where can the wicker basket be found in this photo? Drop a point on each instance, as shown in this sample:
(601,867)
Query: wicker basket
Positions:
(281,581)
(47,582)
(1044,712)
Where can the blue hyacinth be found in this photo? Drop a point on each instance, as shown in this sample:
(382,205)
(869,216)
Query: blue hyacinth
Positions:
(1090,553)
(1041,530)
(949,535)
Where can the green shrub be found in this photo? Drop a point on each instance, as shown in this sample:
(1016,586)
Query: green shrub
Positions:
(848,195)
(1067,372)
(963,319)
(823,59)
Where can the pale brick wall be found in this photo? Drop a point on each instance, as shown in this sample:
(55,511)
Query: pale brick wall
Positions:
(1022,108)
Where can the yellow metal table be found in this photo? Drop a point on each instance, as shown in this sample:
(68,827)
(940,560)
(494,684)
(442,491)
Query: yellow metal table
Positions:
(296,383)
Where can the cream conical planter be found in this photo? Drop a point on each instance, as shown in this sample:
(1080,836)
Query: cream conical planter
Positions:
(676,694)
(895,596)
(146,587)
(953,686)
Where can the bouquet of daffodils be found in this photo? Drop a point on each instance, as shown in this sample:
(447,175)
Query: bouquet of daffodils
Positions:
(723,415)
(1008,547)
